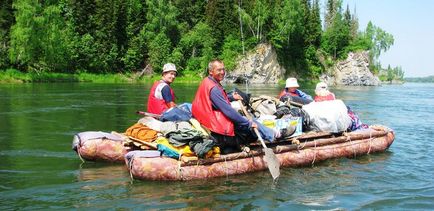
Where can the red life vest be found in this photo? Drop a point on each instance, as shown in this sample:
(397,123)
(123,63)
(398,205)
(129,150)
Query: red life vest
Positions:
(202,110)
(330,96)
(284,92)
(156,105)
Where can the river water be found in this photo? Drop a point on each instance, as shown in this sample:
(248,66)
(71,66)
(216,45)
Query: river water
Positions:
(38,169)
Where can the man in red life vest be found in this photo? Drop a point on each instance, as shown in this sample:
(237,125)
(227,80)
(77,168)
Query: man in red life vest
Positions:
(161,96)
(291,92)
(322,93)
(211,107)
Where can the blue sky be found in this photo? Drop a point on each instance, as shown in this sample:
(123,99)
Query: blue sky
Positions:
(412,25)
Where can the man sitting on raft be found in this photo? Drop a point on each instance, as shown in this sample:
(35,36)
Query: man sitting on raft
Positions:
(161,97)
(211,107)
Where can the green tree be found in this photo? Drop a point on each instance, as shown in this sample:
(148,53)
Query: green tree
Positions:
(377,41)
(232,48)
(314,25)
(354,25)
(38,37)
(222,16)
(136,49)
(160,31)
(6,21)
(286,34)
(331,10)
(337,36)
(195,49)
(255,15)
(190,12)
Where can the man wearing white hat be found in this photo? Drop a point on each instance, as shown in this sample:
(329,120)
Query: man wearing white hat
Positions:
(291,92)
(161,95)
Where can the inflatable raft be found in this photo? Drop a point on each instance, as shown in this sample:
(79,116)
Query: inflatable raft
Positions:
(306,149)
(100,146)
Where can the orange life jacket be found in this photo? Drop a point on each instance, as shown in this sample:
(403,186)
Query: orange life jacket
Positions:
(202,110)
(156,105)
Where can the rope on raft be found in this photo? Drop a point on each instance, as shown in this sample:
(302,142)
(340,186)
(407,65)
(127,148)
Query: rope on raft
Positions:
(348,139)
(226,167)
(81,158)
(370,141)
(314,155)
(179,169)
(130,166)
(78,150)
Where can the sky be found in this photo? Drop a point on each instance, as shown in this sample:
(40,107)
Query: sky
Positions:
(411,22)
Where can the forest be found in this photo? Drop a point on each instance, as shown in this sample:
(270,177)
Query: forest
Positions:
(125,36)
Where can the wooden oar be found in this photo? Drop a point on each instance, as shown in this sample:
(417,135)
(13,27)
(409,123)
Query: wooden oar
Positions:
(295,103)
(271,159)
(148,114)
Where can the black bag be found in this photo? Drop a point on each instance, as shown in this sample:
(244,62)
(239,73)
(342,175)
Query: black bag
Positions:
(282,110)
(246,97)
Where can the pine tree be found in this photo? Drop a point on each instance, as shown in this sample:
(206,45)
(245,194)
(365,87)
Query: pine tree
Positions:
(6,21)
(354,25)
(330,13)
(222,16)
(161,23)
(134,57)
(315,24)
(190,12)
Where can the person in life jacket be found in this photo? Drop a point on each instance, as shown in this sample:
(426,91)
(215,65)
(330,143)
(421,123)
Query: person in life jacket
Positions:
(161,95)
(292,93)
(322,93)
(211,107)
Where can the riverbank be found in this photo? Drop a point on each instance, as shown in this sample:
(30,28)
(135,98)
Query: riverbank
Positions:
(15,76)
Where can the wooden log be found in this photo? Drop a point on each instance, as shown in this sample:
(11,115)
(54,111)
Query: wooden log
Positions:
(285,148)
(302,137)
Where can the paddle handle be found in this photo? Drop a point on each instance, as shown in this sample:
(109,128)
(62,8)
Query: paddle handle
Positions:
(250,118)
(148,114)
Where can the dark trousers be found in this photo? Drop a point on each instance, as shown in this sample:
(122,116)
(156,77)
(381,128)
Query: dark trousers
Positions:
(230,144)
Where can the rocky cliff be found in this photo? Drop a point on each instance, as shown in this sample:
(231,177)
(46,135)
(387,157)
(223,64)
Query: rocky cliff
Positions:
(353,71)
(259,66)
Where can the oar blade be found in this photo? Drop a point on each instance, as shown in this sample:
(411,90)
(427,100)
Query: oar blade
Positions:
(272,163)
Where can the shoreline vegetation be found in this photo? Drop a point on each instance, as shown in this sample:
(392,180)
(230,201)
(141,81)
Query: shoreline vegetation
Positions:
(15,76)
(84,40)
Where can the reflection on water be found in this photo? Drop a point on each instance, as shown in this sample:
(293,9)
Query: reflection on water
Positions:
(89,172)
(38,170)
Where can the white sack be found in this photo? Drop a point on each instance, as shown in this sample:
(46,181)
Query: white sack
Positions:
(329,116)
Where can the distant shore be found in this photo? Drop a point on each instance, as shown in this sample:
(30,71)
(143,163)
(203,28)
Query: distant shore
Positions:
(427,79)
(15,76)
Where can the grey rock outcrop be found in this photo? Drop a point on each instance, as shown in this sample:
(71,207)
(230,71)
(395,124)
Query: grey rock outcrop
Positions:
(258,67)
(354,71)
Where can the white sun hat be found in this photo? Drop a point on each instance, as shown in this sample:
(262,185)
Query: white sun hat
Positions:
(291,82)
(321,86)
(322,89)
(169,67)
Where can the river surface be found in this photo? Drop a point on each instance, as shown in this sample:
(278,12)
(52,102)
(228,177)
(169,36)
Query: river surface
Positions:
(38,169)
